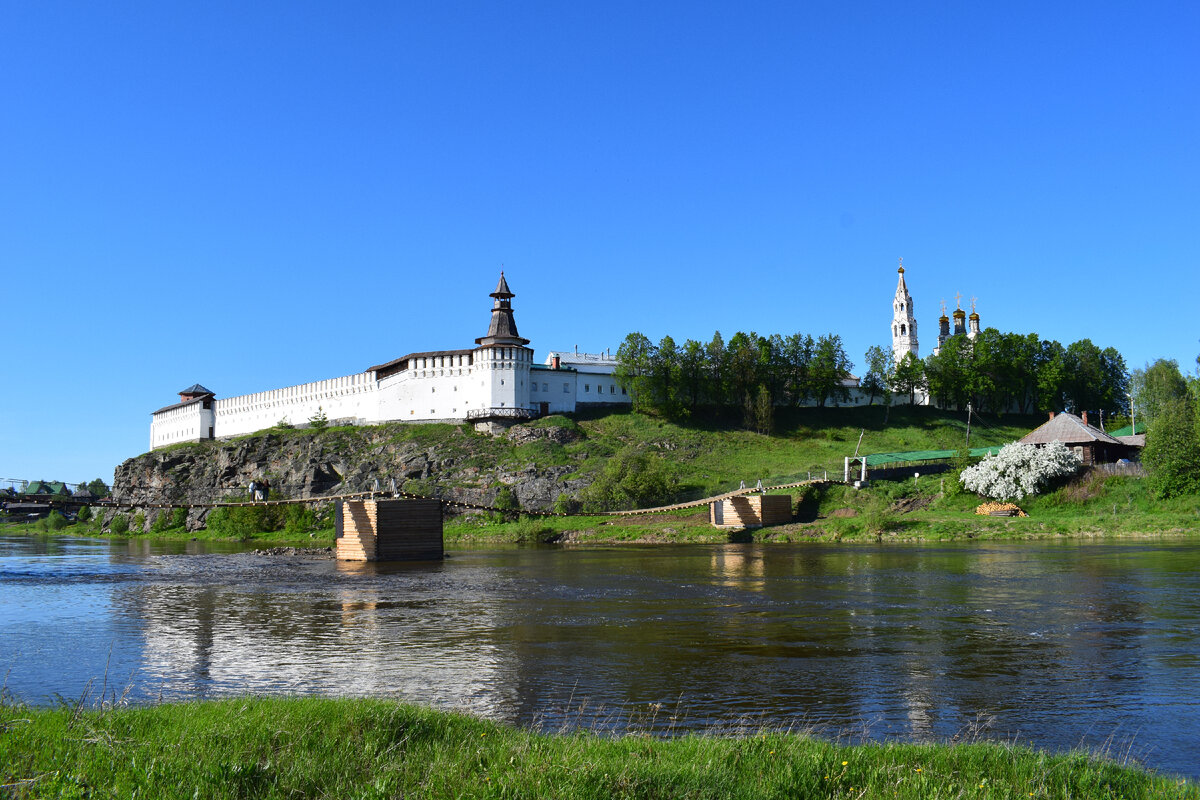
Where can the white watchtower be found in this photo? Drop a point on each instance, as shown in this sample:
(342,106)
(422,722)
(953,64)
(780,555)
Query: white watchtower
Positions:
(502,362)
(904,321)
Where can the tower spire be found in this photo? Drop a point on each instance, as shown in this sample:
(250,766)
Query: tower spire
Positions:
(503,328)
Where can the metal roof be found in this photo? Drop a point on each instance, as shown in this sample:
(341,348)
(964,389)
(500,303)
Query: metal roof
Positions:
(1068,429)
(196,388)
(911,456)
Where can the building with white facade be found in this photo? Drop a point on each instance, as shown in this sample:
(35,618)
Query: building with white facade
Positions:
(494,383)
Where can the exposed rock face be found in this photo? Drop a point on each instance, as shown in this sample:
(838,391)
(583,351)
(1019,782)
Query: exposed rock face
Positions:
(451,462)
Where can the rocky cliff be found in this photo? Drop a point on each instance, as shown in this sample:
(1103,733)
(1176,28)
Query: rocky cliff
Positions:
(538,462)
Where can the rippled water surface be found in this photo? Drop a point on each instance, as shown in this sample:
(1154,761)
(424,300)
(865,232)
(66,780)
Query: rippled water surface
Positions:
(1056,644)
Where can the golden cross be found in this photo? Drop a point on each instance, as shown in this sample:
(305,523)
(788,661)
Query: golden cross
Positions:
(943,307)
(973,299)
(958,299)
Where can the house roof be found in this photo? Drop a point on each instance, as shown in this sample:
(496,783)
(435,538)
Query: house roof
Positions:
(1137,428)
(196,388)
(1068,429)
(47,487)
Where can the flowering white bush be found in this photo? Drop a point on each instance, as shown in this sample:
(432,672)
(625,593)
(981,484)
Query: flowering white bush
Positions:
(1019,470)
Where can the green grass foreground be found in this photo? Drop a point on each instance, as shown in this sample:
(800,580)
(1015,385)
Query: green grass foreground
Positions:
(309,747)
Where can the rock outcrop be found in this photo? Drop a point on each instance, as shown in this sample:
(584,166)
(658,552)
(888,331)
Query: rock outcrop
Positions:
(538,462)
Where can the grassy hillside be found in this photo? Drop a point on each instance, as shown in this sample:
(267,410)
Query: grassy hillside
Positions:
(712,458)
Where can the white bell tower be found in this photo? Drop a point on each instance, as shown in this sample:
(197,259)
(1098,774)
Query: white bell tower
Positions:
(904,321)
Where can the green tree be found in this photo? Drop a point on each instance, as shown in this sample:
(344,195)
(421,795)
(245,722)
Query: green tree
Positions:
(951,372)
(692,372)
(85,513)
(797,356)
(716,360)
(664,374)
(632,478)
(635,359)
(829,368)
(98,487)
(908,377)
(742,368)
(119,525)
(1172,451)
(56,521)
(1156,385)
(876,381)
(1051,368)
(318,421)
(764,411)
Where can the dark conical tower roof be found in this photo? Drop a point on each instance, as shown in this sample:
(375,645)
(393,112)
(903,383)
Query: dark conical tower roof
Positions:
(503,328)
(502,291)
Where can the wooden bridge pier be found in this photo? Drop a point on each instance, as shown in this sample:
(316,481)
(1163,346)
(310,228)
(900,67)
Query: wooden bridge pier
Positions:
(389,530)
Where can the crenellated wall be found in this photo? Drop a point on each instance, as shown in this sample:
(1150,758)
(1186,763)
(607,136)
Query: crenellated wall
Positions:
(351,398)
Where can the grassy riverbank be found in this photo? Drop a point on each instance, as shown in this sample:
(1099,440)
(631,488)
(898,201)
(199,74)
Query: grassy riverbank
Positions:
(926,509)
(307,747)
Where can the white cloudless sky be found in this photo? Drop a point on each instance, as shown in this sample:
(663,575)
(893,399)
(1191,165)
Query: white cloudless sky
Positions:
(251,196)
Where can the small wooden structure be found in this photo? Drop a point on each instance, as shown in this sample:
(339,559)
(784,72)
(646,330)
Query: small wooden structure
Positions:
(389,530)
(751,511)
(1092,445)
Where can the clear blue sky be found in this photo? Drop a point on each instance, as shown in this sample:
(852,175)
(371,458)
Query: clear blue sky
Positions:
(253,195)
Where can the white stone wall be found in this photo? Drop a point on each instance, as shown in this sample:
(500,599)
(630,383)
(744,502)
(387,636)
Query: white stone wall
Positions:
(188,423)
(348,398)
(440,387)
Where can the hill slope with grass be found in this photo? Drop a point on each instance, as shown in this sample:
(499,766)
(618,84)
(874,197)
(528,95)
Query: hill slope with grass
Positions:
(555,463)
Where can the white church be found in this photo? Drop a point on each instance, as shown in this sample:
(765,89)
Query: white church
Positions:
(488,385)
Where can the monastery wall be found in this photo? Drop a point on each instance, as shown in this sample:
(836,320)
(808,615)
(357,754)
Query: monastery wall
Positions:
(434,388)
(188,423)
(351,398)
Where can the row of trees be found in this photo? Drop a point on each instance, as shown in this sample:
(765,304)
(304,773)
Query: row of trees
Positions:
(1001,372)
(1168,403)
(752,372)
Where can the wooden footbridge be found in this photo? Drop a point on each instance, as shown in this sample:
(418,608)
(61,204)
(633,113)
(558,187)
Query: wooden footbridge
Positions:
(381,494)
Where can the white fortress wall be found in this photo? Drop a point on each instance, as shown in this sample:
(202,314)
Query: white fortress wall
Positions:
(351,397)
(435,387)
(187,423)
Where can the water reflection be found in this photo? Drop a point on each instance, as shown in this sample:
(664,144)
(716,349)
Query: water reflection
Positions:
(1061,644)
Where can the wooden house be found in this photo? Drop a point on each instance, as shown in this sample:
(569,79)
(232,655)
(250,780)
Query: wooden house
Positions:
(1092,445)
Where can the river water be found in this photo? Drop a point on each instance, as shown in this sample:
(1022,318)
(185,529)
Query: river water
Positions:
(1056,645)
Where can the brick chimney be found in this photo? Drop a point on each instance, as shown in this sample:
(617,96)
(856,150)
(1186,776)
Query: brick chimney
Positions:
(555,362)
(1084,418)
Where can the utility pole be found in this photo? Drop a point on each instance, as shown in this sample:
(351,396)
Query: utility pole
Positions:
(968,425)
